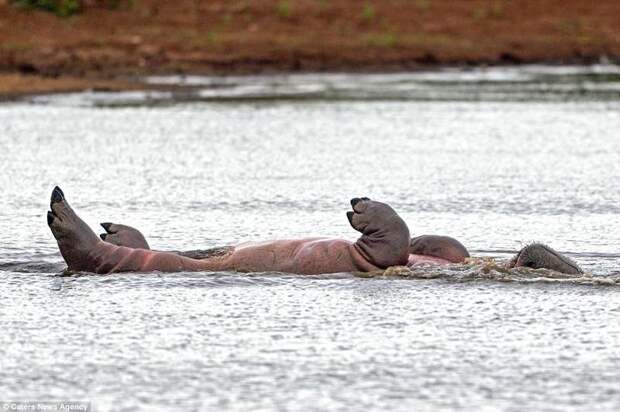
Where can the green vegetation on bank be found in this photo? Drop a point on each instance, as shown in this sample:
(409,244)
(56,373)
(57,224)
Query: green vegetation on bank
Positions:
(66,8)
(62,8)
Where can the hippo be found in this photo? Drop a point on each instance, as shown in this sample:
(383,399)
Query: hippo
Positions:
(384,242)
(423,249)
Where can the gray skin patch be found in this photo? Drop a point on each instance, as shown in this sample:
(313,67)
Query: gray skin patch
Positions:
(206,253)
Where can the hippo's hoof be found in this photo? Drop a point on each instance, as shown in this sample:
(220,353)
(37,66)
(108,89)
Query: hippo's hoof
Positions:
(122,235)
(356,200)
(57,195)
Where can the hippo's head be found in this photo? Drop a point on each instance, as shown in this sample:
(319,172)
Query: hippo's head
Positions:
(539,256)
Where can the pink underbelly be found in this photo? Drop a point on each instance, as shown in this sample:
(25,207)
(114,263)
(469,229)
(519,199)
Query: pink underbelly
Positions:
(415,260)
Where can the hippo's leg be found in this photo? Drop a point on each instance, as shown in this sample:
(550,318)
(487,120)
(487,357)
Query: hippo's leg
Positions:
(438,246)
(385,236)
(76,240)
(539,256)
(123,235)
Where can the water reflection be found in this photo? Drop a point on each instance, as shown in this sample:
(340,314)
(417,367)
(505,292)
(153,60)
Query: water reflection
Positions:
(523,83)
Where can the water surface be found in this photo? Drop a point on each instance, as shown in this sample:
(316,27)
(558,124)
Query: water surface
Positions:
(496,158)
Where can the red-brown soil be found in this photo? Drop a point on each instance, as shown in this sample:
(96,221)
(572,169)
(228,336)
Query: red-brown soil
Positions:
(100,46)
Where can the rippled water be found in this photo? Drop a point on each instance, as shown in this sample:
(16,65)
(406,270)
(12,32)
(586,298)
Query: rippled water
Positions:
(496,158)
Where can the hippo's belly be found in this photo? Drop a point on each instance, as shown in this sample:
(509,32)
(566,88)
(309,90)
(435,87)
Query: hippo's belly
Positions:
(306,256)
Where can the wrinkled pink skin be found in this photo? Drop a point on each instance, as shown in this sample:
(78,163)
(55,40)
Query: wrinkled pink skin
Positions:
(316,251)
(123,235)
(423,250)
(384,242)
(304,256)
(418,260)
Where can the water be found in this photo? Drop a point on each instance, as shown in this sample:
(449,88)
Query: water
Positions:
(496,158)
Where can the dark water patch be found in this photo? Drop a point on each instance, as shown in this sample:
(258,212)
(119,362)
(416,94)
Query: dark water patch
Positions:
(29,266)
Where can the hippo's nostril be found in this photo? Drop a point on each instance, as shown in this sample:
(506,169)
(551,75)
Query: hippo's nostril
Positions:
(106,226)
(355,201)
(103,236)
(57,195)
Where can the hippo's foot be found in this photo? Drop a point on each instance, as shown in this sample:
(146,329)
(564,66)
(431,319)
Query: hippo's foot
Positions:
(539,256)
(385,236)
(122,235)
(75,239)
(443,247)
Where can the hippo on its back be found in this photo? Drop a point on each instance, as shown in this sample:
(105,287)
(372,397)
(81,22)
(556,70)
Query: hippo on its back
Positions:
(384,242)
(424,249)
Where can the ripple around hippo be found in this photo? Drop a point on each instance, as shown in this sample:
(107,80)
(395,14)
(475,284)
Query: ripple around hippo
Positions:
(481,269)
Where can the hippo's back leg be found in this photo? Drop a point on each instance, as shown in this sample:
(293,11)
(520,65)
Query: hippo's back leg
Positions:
(443,247)
(76,240)
(123,235)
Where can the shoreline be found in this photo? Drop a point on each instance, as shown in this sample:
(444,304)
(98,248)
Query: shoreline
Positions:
(105,48)
(14,86)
